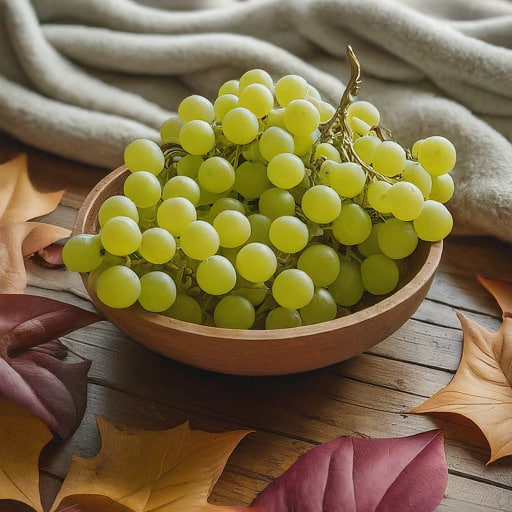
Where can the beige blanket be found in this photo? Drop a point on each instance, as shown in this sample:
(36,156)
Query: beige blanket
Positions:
(81,78)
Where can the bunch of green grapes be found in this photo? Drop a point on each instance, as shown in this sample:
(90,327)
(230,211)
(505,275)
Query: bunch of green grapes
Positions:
(266,208)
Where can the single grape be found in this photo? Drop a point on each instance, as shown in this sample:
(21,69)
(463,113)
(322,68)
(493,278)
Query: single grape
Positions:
(255,76)
(175,214)
(415,174)
(257,98)
(233,228)
(170,129)
(377,196)
(196,107)
(380,274)
(276,118)
(120,236)
(282,318)
(229,87)
(434,222)
(260,226)
(388,158)
(197,137)
(83,253)
(371,244)
(293,288)
(216,175)
(256,262)
(397,238)
(365,111)
(255,293)
(406,200)
(117,205)
(199,240)
(216,275)
(182,186)
(188,165)
(289,88)
(118,287)
(303,143)
(186,309)
(144,155)
(157,291)
(275,202)
(353,225)
(240,126)
(365,147)
(288,234)
(234,312)
(321,262)
(274,141)
(327,151)
(437,155)
(225,203)
(321,204)
(251,180)
(223,104)
(157,245)
(143,188)
(325,109)
(347,179)
(285,170)
(442,188)
(301,117)
(321,308)
(347,289)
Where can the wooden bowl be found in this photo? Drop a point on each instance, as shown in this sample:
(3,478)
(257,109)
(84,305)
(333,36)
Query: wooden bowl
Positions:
(262,352)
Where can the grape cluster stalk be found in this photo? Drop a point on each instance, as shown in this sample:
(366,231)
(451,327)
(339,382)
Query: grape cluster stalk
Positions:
(266,208)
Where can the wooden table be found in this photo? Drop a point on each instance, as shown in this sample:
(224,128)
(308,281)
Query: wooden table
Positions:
(362,397)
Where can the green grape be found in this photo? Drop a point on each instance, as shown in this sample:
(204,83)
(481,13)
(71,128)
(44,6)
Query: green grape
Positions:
(325,171)
(186,309)
(347,289)
(255,76)
(358,127)
(157,291)
(230,253)
(327,151)
(347,179)
(170,129)
(292,288)
(397,238)
(371,244)
(415,174)
(197,137)
(257,98)
(199,240)
(379,274)
(353,225)
(120,236)
(255,293)
(276,118)
(182,186)
(313,91)
(274,141)
(251,180)
(364,110)
(118,287)
(325,109)
(437,155)
(256,262)
(189,165)
(157,245)
(223,104)
(196,107)
(234,312)
(143,188)
(275,202)
(260,226)
(406,200)
(229,87)
(434,222)
(303,143)
(175,214)
(251,152)
(377,196)
(321,262)
(289,88)
(240,126)
(321,308)
(216,175)
(365,147)
(216,275)
(115,206)
(388,158)
(442,188)
(286,170)
(225,203)
(288,234)
(144,155)
(208,198)
(301,117)
(83,253)
(233,228)
(321,204)
(282,318)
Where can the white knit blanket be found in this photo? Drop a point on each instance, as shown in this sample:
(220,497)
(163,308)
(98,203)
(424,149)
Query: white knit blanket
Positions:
(81,78)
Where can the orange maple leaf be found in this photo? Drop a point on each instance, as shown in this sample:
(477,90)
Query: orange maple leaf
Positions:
(19,203)
(481,389)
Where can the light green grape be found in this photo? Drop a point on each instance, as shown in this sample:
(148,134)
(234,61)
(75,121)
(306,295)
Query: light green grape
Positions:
(255,76)
(170,129)
(225,203)
(143,188)
(282,318)
(321,204)
(260,226)
(216,275)
(233,228)
(303,143)
(388,158)
(276,118)
(347,289)
(197,137)
(216,175)
(415,174)
(364,110)
(301,117)
(434,222)
(325,109)
(83,253)
(144,155)
(321,262)
(186,309)
(255,293)
(285,170)
(288,234)
(229,87)
(353,225)
(182,186)
(274,141)
(442,188)
(196,107)
(377,196)
(199,240)
(189,165)
(157,245)
(397,238)
(365,147)
(293,288)
(327,151)
(157,291)
(251,180)
(371,244)
(117,205)
(379,274)
(275,202)
(347,179)
(118,287)
(240,126)
(234,312)
(437,155)
(358,127)
(223,104)
(175,214)
(406,200)
(321,308)
(257,98)
(120,236)
(256,262)
(289,88)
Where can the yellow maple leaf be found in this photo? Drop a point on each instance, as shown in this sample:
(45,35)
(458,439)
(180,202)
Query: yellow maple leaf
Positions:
(481,389)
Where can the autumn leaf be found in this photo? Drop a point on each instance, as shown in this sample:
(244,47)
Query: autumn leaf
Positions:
(32,373)
(19,203)
(481,389)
